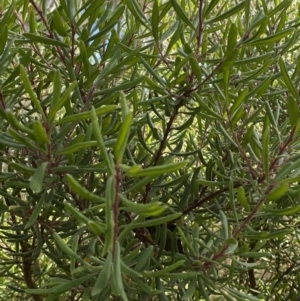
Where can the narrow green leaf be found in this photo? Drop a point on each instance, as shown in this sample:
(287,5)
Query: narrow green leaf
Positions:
(185,125)
(117,14)
(272,38)
(86,115)
(124,105)
(57,85)
(278,192)
(283,5)
(24,141)
(258,72)
(153,222)
(195,68)
(247,13)
(14,122)
(227,14)
(6,141)
(232,38)
(156,170)
(287,79)
(237,117)
(241,197)
(152,72)
(232,201)
(175,37)
(212,183)
(146,288)
(36,182)
(5,18)
(108,68)
(36,211)
(127,85)
(104,276)
(44,40)
(184,240)
(57,24)
(3,38)
(229,60)
(100,142)
(113,41)
(85,59)
(266,154)
(210,7)
(254,59)
(82,191)
(168,269)
(76,147)
(181,14)
(284,212)
(117,279)
(109,216)
(180,275)
(204,106)
(179,65)
(22,168)
(61,288)
(136,11)
(61,102)
(293,110)
(101,32)
(226,135)
(88,8)
(189,293)
(270,114)
(150,209)
(241,296)
(76,213)
(287,169)
(29,90)
(67,250)
(122,137)
(226,75)
(96,227)
(268,235)
(261,88)
(144,259)
(39,133)
(224,223)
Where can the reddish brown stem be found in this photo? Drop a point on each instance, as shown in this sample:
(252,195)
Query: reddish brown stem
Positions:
(162,145)
(62,57)
(200,29)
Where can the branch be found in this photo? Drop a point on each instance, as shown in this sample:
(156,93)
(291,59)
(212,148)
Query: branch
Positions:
(162,145)
(200,29)
(236,232)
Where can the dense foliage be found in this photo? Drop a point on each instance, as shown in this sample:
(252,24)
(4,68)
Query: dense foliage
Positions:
(149,150)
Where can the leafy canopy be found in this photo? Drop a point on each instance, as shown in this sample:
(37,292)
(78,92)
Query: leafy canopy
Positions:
(149,150)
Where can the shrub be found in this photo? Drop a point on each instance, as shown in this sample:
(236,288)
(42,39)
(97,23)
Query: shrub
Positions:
(149,150)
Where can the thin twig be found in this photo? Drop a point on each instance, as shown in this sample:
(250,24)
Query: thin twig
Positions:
(252,172)
(200,29)
(236,232)
(33,46)
(162,145)
(62,57)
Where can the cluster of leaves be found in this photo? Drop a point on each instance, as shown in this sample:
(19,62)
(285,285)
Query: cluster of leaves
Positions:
(149,150)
